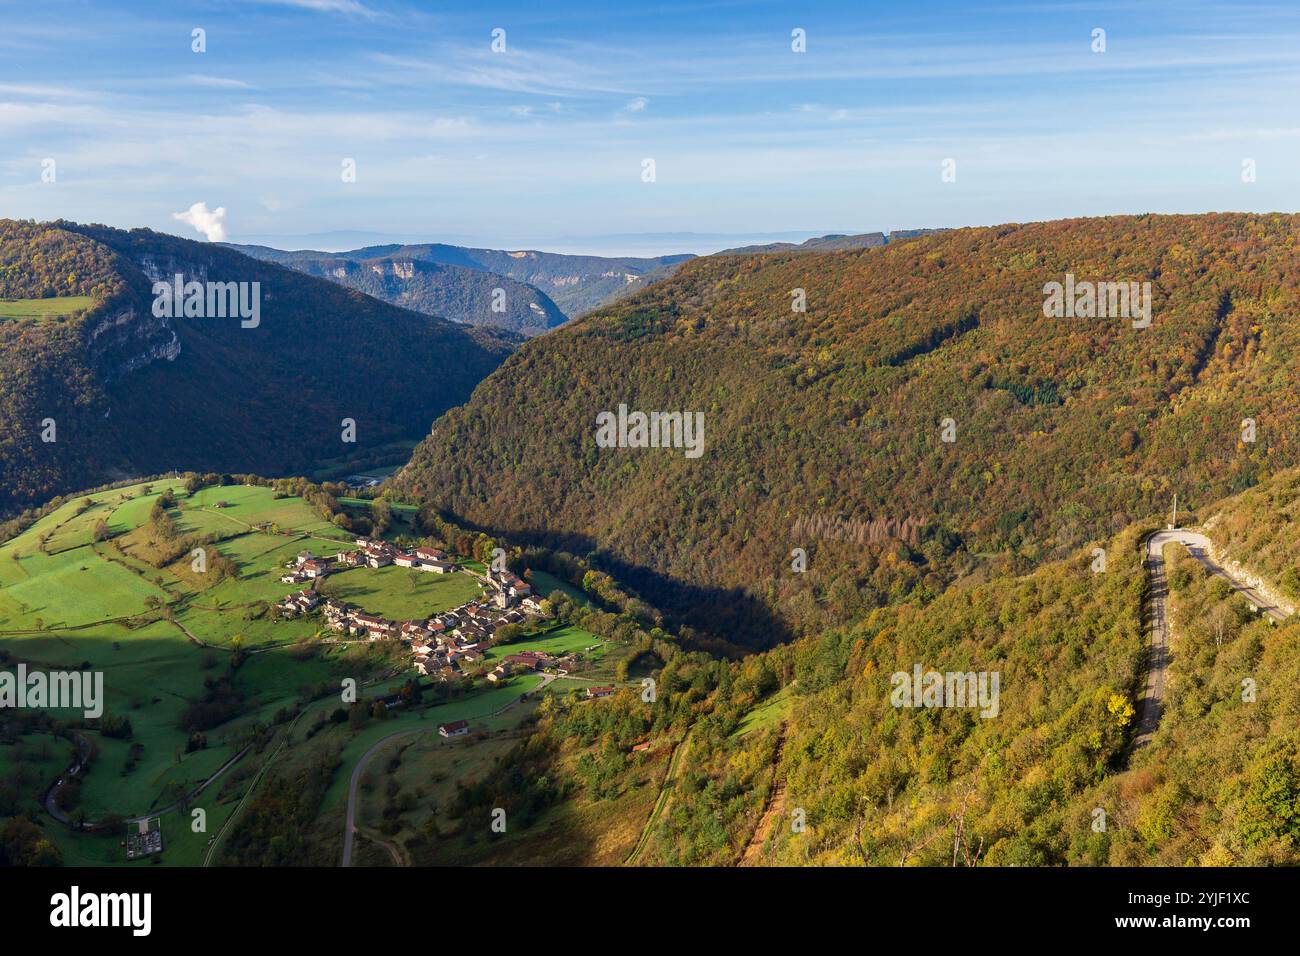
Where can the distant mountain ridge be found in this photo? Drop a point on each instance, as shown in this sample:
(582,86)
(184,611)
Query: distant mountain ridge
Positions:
(560,286)
(464,294)
(526,291)
(834,242)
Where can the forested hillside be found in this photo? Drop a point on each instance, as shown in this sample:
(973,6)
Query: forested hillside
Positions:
(800,755)
(1064,429)
(115,390)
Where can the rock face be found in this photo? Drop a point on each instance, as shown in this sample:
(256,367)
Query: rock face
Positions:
(468,296)
(123,340)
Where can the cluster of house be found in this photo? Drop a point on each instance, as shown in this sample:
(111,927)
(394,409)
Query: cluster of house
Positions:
(369,553)
(439,644)
(523,662)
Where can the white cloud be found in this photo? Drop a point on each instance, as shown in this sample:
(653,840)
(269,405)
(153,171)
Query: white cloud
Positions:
(210,222)
(325,6)
(636,105)
(216,82)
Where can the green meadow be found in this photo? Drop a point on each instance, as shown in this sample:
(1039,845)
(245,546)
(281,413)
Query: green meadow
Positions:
(545,584)
(80,589)
(402,594)
(769,713)
(202,668)
(559,641)
(44,308)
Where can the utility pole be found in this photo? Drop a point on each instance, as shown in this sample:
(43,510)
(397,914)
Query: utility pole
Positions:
(1174,523)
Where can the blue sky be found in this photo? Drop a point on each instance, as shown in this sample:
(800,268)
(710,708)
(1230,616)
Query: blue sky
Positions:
(543,144)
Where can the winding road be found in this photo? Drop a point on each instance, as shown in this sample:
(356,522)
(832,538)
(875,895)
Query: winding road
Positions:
(350,827)
(1199,547)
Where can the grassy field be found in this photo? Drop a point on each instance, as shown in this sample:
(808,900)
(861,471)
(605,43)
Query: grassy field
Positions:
(70,602)
(557,642)
(44,308)
(402,512)
(768,713)
(402,594)
(583,830)
(162,634)
(543,584)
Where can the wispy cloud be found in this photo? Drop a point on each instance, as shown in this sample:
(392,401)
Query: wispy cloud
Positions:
(216,82)
(324,6)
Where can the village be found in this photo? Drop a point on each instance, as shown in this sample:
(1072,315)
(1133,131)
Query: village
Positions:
(444,645)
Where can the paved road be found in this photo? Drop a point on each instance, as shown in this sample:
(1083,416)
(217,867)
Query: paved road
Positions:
(350,827)
(52,795)
(350,824)
(1198,546)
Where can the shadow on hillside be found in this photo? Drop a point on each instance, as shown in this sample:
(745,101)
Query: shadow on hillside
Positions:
(725,620)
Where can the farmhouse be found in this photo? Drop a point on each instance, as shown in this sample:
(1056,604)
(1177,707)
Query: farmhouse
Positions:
(302,602)
(528,660)
(457,728)
(315,568)
(404,560)
(596,692)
